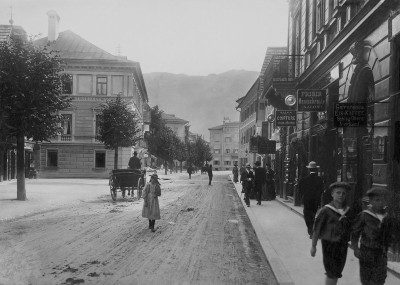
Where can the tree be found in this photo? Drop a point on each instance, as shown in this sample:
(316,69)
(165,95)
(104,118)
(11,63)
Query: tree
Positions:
(118,126)
(160,139)
(31,96)
(202,152)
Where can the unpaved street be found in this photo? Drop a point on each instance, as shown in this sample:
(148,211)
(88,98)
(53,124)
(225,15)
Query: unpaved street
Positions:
(204,237)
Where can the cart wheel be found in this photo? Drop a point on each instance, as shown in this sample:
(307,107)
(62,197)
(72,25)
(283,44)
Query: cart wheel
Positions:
(113,191)
(139,188)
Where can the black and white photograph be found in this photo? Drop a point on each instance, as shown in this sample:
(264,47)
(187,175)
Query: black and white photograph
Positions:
(203,142)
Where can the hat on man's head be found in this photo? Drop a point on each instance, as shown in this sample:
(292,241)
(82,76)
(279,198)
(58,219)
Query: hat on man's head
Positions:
(135,152)
(377,191)
(257,163)
(248,165)
(312,165)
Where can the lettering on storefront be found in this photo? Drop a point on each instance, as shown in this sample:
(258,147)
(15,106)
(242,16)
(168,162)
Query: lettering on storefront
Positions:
(312,100)
(350,115)
(285,118)
(266,146)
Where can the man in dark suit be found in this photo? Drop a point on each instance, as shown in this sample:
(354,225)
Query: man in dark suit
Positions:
(259,180)
(210,174)
(311,188)
(246,177)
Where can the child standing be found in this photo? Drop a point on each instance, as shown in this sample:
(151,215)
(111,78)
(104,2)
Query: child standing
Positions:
(151,207)
(332,225)
(376,229)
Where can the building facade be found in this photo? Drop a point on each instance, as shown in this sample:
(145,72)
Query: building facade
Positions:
(224,145)
(94,77)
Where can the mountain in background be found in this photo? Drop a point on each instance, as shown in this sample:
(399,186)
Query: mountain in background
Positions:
(204,101)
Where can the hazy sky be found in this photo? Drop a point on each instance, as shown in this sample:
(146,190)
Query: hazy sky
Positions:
(195,37)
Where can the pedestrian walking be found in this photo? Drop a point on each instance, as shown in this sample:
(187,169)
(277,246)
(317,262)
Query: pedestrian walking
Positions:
(333,227)
(151,207)
(375,226)
(259,180)
(235,172)
(310,190)
(190,171)
(270,182)
(210,174)
(246,178)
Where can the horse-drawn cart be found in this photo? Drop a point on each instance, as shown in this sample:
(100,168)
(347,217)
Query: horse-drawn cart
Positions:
(127,180)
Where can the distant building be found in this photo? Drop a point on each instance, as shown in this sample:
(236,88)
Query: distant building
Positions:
(95,76)
(224,144)
(176,124)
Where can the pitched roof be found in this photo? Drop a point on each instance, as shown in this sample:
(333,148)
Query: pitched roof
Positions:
(219,127)
(72,46)
(171,118)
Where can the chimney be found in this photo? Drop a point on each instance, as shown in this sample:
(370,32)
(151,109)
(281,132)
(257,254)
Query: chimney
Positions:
(54,19)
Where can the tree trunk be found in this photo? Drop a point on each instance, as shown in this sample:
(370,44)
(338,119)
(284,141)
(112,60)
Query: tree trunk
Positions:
(116,158)
(181,165)
(166,167)
(21,191)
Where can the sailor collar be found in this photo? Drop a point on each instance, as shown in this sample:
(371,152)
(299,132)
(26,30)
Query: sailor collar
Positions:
(341,213)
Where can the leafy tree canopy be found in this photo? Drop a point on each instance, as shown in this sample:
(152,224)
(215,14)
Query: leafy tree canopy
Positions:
(118,125)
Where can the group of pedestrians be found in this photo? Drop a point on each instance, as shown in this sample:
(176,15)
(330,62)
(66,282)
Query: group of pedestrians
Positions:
(259,182)
(371,231)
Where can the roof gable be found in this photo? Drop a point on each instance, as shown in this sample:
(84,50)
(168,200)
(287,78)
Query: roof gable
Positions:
(71,46)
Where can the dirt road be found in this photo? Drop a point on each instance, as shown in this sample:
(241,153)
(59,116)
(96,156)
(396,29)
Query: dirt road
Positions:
(204,237)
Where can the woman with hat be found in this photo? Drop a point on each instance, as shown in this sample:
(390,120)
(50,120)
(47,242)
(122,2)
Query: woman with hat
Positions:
(151,207)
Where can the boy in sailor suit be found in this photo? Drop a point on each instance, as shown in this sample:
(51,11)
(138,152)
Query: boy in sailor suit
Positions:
(375,227)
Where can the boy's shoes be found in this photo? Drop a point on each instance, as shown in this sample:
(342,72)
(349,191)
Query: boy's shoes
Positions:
(248,205)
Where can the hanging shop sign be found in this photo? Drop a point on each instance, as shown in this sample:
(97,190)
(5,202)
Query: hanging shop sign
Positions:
(253,144)
(262,145)
(311,100)
(266,146)
(350,115)
(284,118)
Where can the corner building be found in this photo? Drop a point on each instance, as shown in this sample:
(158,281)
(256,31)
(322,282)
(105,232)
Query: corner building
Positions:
(94,77)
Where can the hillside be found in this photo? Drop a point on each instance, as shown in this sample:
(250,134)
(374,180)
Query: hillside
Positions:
(202,100)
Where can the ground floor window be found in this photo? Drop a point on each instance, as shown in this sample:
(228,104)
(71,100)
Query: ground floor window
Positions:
(100,159)
(52,158)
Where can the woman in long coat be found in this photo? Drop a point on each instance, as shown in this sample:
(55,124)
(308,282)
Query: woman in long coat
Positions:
(151,207)
(235,172)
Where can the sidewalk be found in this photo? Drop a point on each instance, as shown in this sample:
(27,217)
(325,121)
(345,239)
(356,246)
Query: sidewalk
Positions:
(282,233)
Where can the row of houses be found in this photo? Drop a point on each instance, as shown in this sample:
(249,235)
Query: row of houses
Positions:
(94,77)
(347,54)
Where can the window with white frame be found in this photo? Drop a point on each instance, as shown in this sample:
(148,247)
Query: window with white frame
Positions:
(101,85)
(84,84)
(117,84)
(100,159)
(52,158)
(66,124)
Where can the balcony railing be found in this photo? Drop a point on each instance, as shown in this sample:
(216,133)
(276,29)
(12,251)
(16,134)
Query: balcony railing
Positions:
(278,70)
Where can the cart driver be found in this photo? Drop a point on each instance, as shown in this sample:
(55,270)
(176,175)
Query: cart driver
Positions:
(134,162)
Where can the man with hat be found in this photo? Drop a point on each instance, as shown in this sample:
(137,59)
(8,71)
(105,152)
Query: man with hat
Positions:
(246,177)
(311,188)
(134,162)
(235,172)
(259,180)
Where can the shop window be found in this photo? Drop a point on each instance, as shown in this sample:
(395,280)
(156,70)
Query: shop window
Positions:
(52,158)
(100,159)
(379,148)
